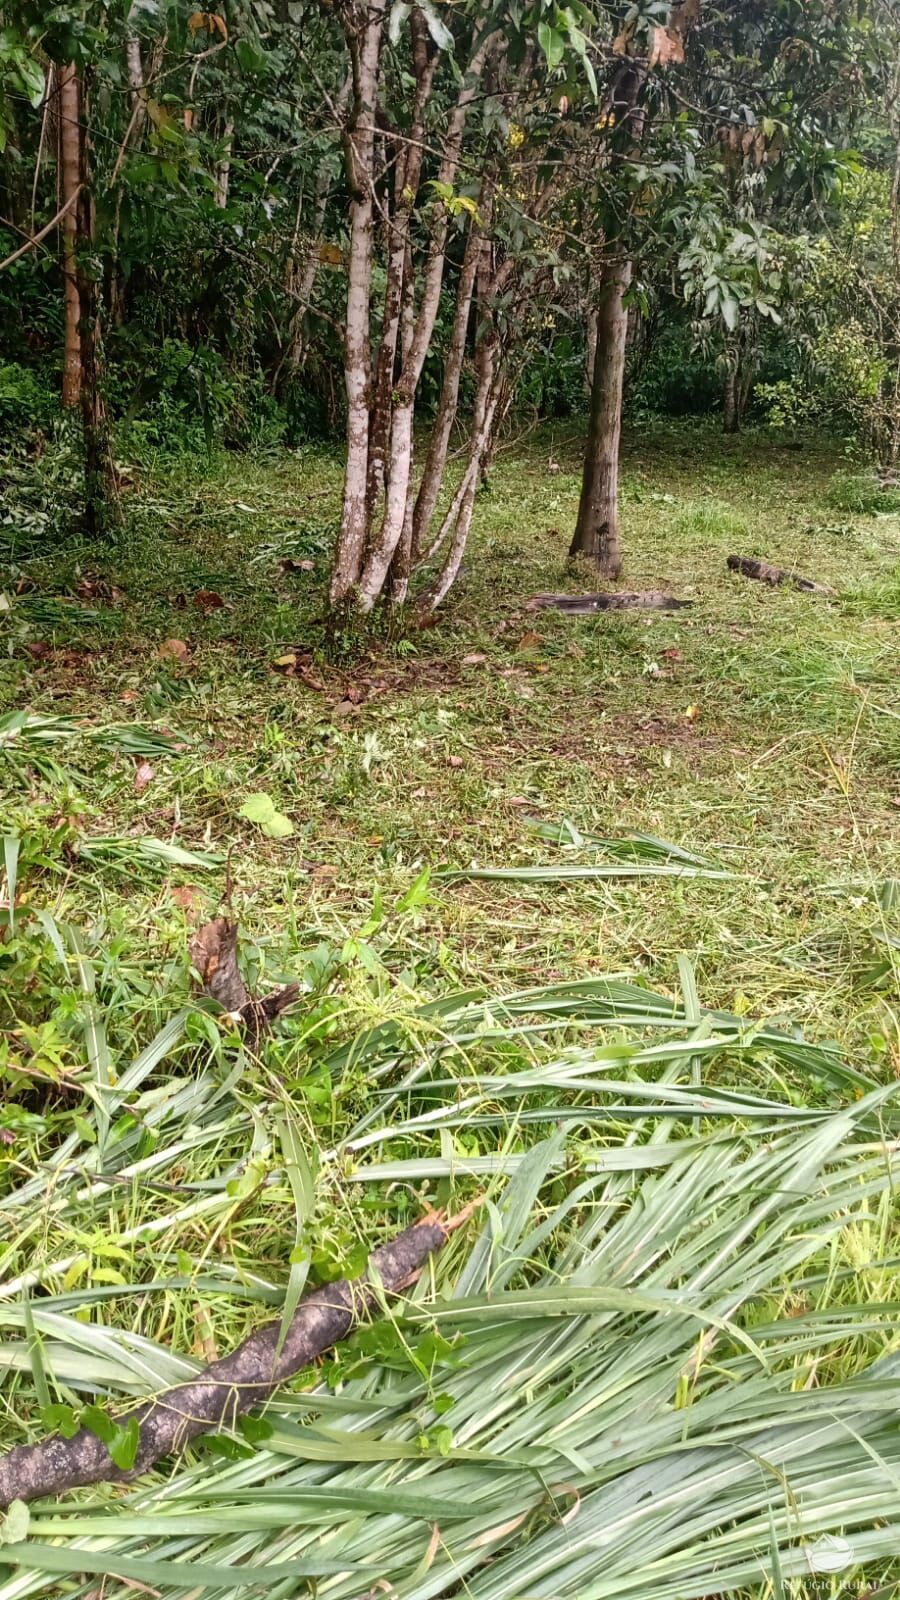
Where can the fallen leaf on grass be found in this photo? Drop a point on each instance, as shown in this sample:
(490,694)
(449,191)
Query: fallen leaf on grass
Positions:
(261,809)
(175,648)
(298,664)
(321,869)
(143,776)
(474,660)
(208,600)
(187,896)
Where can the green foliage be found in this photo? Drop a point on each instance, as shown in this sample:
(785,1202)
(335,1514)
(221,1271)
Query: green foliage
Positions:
(862,494)
(708,520)
(27,402)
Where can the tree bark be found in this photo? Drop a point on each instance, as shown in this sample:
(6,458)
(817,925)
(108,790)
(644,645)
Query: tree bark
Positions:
(407,177)
(731,415)
(436,457)
(597,529)
(102,508)
(359,146)
(221,1392)
(69,171)
(223,166)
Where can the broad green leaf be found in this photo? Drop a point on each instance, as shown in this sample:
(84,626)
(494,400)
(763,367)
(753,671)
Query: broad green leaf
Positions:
(15,1524)
(260,808)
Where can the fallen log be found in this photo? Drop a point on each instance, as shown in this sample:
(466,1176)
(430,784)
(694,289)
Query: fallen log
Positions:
(213,952)
(585,604)
(222,1391)
(766,573)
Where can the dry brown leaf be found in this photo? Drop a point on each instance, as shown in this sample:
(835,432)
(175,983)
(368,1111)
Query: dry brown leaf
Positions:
(684,14)
(474,660)
(187,895)
(175,648)
(666,46)
(143,776)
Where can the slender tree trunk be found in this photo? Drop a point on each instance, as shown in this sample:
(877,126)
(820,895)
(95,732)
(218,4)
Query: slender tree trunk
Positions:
(408,172)
(102,508)
(590,348)
(597,528)
(223,166)
(359,146)
(731,410)
(458,520)
(69,170)
(436,458)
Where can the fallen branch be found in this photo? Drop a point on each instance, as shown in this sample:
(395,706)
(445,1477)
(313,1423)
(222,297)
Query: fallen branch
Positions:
(213,951)
(583,604)
(226,1388)
(766,573)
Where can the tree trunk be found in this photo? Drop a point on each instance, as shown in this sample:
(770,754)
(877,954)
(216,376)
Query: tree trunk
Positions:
(597,528)
(223,166)
(69,171)
(102,509)
(458,520)
(731,411)
(409,157)
(359,146)
(590,348)
(436,458)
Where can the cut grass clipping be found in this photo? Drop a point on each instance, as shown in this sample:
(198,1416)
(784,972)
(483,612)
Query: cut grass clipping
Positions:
(604,1389)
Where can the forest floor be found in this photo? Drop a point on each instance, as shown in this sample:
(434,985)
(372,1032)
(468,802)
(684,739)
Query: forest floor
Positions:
(760,728)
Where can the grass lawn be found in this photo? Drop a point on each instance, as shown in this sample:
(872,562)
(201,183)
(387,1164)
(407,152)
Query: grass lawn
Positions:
(759,730)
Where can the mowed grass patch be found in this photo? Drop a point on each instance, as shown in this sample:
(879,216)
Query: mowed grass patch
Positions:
(760,724)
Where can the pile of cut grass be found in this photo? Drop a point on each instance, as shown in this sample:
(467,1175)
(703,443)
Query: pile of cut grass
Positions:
(561,895)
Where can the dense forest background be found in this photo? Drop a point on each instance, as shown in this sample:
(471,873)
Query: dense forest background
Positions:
(248,228)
